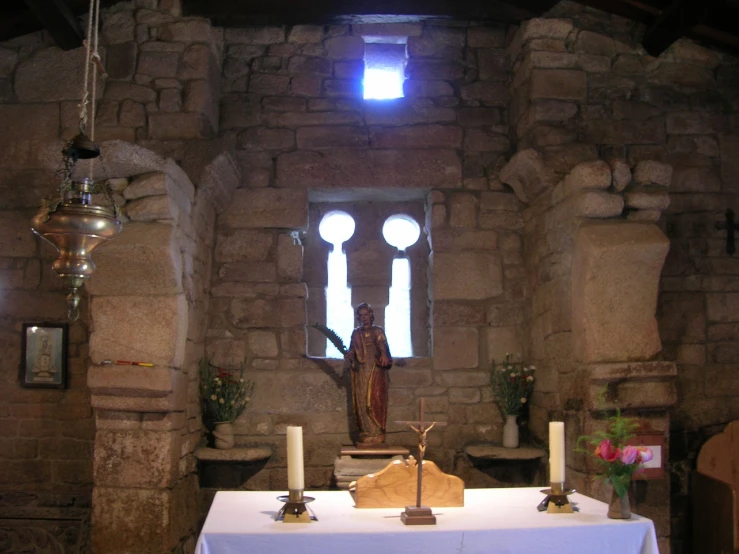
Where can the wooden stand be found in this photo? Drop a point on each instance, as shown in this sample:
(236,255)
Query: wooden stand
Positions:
(418,515)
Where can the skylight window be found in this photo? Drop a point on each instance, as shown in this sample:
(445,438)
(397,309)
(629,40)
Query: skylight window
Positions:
(384,71)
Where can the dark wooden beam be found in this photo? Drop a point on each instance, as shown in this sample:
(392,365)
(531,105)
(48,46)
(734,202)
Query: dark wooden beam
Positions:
(234,13)
(59,20)
(676,21)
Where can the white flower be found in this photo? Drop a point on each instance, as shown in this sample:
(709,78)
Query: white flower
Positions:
(233,403)
(529,378)
(532,368)
(221,401)
(213,397)
(501,369)
(513,374)
(523,400)
(217,380)
(241,380)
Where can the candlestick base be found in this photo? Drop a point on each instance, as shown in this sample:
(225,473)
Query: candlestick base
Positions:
(556,501)
(418,515)
(295,509)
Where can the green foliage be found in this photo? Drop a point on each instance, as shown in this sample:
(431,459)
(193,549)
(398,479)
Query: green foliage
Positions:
(223,394)
(609,449)
(332,336)
(511,384)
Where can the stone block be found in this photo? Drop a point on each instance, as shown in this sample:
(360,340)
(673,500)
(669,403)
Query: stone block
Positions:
(308,65)
(695,179)
(545,28)
(119,262)
(332,137)
(652,172)
(199,99)
(485,140)
(481,271)
(647,199)
(16,238)
(489,93)
(621,132)
(297,119)
(243,245)
(311,389)
(558,84)
(499,342)
(486,37)
(40,122)
(453,240)
(118,90)
(455,348)
(255,35)
(264,138)
(526,174)
(169,126)
(416,136)
(51,75)
(634,394)
(154,330)
(615,280)
(344,48)
(121,61)
(289,258)
(198,62)
(696,123)
(587,175)
(263,83)
(425,88)
(405,111)
(262,344)
(430,168)
(152,208)
(136,459)
(145,521)
(621,174)
(729,149)
(158,64)
(597,204)
(267,208)
(305,34)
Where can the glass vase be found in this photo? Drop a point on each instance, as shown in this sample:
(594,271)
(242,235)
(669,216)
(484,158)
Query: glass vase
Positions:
(620,506)
(510,432)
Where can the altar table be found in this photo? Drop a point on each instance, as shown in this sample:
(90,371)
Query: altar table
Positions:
(492,521)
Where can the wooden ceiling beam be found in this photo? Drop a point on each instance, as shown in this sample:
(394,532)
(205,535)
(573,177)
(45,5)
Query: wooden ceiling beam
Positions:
(230,13)
(676,21)
(59,20)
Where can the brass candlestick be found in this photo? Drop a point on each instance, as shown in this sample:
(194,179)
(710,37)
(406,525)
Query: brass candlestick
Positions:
(556,501)
(295,509)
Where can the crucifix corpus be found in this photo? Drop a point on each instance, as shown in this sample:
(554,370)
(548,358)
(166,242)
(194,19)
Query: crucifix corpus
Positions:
(419,514)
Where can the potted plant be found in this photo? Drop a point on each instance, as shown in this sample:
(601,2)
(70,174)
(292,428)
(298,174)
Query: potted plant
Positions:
(511,384)
(224,396)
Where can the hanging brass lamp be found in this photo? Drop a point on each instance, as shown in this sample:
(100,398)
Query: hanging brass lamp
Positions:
(73,223)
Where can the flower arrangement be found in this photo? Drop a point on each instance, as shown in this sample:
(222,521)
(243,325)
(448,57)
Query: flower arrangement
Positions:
(223,395)
(618,461)
(511,384)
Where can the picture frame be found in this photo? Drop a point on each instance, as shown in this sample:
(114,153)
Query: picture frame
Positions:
(44,355)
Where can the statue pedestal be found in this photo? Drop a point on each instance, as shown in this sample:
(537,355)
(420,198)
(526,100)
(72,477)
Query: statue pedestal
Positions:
(353,463)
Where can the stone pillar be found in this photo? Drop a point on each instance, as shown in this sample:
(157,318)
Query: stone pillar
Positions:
(148,300)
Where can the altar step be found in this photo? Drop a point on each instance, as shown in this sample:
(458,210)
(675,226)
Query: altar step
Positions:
(353,463)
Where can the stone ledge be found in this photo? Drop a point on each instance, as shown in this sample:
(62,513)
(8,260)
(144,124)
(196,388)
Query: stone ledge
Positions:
(632,370)
(492,452)
(242,454)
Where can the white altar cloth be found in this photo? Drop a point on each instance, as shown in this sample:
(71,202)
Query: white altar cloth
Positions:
(492,521)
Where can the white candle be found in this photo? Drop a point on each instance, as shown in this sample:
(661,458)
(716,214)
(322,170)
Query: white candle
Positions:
(295,477)
(556,452)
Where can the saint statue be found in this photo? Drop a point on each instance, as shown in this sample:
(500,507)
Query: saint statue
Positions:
(43,367)
(369,358)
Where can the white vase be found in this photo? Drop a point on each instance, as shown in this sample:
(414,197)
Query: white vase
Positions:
(510,432)
(223,435)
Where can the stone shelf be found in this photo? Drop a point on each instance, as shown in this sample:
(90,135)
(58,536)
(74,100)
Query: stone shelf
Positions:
(487,451)
(239,454)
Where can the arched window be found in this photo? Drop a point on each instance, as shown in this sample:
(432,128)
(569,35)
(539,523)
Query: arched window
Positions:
(400,231)
(337,227)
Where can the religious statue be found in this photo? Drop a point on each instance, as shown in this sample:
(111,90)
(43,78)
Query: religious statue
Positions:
(369,358)
(43,367)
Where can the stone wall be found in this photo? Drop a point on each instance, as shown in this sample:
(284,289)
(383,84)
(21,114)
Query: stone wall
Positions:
(292,105)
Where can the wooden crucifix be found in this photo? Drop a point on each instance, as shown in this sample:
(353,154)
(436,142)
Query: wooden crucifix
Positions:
(419,514)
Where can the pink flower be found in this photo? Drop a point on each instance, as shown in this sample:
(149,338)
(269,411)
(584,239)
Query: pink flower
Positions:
(607,452)
(629,455)
(645,454)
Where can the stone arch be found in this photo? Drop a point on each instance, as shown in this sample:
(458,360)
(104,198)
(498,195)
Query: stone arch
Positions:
(148,300)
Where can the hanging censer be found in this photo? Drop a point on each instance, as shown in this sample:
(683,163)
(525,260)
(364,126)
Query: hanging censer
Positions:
(73,223)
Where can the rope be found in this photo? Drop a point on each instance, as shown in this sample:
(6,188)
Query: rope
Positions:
(94,57)
(85,94)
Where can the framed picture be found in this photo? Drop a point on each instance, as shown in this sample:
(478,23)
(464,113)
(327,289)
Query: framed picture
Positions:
(44,355)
